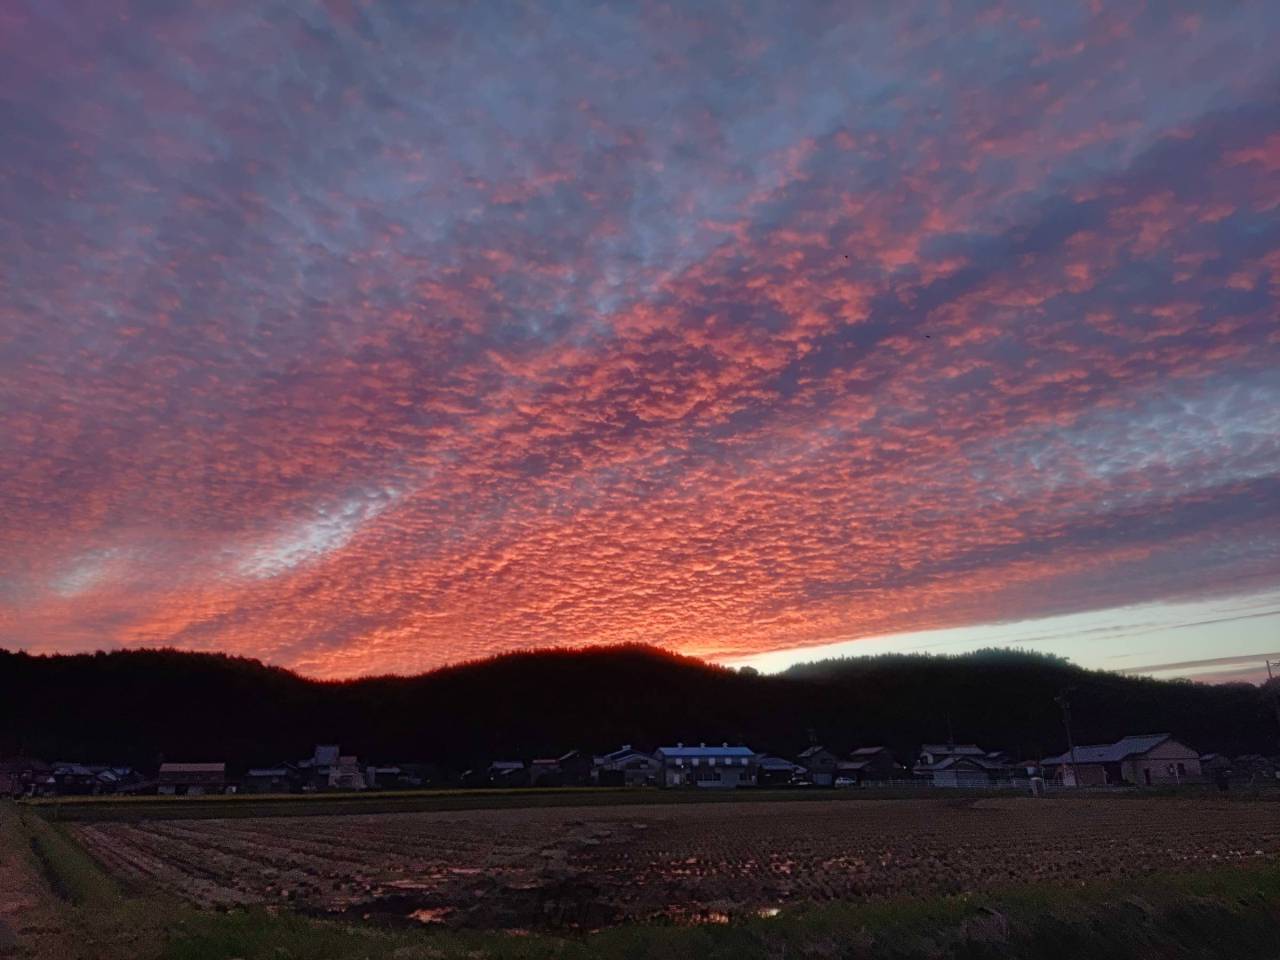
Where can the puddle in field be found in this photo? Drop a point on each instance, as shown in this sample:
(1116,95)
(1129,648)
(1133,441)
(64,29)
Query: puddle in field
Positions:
(431,914)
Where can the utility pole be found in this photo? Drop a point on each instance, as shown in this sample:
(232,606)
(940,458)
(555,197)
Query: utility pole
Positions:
(1065,703)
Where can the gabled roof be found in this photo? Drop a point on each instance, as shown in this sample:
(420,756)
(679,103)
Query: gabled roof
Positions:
(814,751)
(624,755)
(953,749)
(266,772)
(779,764)
(982,762)
(868,751)
(193,768)
(1111,752)
(701,751)
(506,765)
(64,769)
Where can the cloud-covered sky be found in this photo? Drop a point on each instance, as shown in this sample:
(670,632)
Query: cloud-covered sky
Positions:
(371,336)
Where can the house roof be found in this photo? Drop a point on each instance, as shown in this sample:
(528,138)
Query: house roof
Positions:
(953,749)
(703,751)
(506,765)
(62,768)
(949,762)
(779,764)
(1110,752)
(867,751)
(814,751)
(266,772)
(193,768)
(626,750)
(854,765)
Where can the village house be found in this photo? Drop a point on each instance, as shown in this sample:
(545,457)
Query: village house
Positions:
(706,767)
(1148,760)
(819,765)
(26,777)
(1254,768)
(191,779)
(961,765)
(75,779)
(1216,767)
(279,779)
(118,779)
(314,772)
(868,765)
(544,772)
(346,774)
(425,775)
(387,776)
(507,773)
(626,767)
(777,772)
(575,768)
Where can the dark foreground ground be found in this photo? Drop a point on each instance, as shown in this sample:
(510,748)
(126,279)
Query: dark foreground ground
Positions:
(926,878)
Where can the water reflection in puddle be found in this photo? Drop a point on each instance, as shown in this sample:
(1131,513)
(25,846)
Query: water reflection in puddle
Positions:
(431,914)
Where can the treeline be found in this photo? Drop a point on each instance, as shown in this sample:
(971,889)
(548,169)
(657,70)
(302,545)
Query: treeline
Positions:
(139,707)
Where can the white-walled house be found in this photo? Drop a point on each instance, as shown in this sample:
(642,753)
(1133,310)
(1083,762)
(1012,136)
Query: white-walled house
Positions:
(709,767)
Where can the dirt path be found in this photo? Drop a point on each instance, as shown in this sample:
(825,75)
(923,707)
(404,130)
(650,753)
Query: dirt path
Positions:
(33,921)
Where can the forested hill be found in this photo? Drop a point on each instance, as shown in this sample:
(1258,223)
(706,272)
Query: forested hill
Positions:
(140,706)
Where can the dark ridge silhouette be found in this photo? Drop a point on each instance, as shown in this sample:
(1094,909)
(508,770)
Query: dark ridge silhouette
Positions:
(140,706)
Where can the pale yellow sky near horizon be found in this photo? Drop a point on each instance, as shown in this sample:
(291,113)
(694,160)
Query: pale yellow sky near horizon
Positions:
(1218,640)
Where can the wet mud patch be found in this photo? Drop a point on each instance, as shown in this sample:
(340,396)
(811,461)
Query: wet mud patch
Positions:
(567,903)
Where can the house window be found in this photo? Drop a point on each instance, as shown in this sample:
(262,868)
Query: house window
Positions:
(1182,769)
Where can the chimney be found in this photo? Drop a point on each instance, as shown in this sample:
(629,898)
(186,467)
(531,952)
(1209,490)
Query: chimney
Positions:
(725,744)
(703,745)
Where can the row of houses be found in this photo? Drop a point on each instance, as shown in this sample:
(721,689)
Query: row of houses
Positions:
(1147,760)
(25,776)
(1144,760)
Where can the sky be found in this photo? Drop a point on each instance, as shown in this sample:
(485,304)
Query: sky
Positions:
(368,337)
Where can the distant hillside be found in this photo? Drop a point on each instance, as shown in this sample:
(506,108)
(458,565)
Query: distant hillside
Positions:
(138,706)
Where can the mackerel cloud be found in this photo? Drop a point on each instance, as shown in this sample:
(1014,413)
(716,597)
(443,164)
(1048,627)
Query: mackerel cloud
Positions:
(367,337)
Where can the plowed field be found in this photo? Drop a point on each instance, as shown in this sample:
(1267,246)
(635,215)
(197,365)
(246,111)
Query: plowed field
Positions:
(590,867)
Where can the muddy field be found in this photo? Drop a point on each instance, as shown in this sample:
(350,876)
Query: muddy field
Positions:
(591,867)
